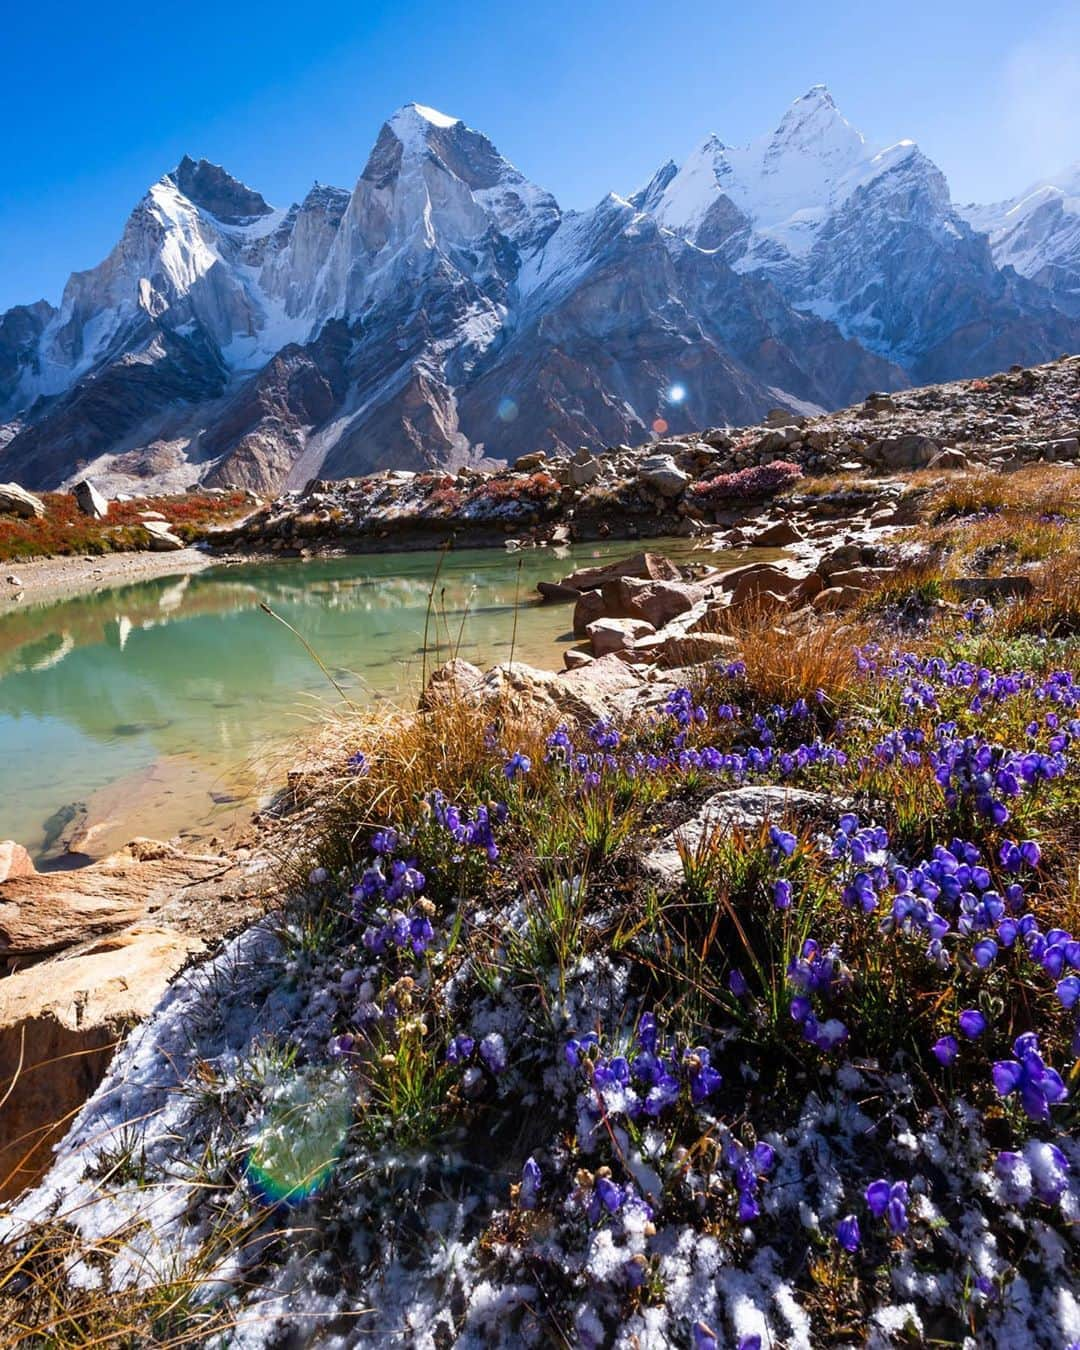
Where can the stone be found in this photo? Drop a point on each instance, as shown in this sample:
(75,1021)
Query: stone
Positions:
(880,402)
(779,417)
(16,501)
(45,912)
(583,695)
(162,539)
(657,602)
(531,462)
(949,459)
(582,474)
(862,578)
(555,593)
(59,1024)
(576,657)
(663,475)
(689,649)
(764,579)
(911,451)
(89,500)
(648,566)
(588,608)
(779,535)
(616,635)
(14,861)
(746,809)
(837,597)
(454,680)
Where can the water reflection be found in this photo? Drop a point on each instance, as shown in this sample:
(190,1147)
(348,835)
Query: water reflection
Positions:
(151,704)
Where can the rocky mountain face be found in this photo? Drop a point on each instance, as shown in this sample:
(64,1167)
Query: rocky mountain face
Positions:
(1038,235)
(447,312)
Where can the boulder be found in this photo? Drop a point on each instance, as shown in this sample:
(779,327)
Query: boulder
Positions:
(767,578)
(780,417)
(837,597)
(581,474)
(991,588)
(648,566)
(589,607)
(779,535)
(454,680)
(662,475)
(690,649)
(657,602)
(862,578)
(616,635)
(14,861)
(576,657)
(911,451)
(949,459)
(746,809)
(16,501)
(529,463)
(59,1023)
(89,500)
(44,912)
(584,695)
(162,539)
(554,592)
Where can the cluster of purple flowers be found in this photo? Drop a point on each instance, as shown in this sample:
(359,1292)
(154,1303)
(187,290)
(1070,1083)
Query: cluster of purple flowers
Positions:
(748,1168)
(491,1051)
(824,974)
(1038,1086)
(649,1078)
(400,930)
(885,1200)
(386,882)
(973,770)
(468,831)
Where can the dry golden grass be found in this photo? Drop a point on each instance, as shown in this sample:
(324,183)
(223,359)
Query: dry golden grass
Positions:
(407,753)
(1038,489)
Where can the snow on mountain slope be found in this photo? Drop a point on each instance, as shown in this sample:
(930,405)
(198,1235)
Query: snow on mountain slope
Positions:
(863,237)
(446,309)
(1038,234)
(784,185)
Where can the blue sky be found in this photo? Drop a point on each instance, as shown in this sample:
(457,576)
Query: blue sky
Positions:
(102,99)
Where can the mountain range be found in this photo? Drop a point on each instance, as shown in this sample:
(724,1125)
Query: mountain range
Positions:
(448,311)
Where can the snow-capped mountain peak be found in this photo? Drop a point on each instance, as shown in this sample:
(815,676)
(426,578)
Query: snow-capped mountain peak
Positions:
(445,309)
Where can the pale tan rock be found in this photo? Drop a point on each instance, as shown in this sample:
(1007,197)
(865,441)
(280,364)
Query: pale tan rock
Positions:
(14,861)
(616,635)
(657,602)
(48,911)
(769,579)
(837,597)
(16,501)
(59,1023)
(649,566)
(689,649)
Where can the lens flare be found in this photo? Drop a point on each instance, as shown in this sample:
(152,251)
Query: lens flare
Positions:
(676,393)
(507,410)
(659,426)
(299,1140)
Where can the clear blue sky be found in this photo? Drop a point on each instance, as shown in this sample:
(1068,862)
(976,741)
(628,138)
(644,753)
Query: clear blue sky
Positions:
(100,100)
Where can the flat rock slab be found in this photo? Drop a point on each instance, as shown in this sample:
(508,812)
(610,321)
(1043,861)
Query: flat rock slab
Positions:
(48,911)
(746,809)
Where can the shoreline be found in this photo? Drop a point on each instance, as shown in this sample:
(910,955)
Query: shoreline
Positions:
(41,580)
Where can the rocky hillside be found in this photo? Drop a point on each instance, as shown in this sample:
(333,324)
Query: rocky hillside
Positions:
(448,312)
(684,484)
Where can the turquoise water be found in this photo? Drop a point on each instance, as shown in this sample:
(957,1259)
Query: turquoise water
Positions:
(161,707)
